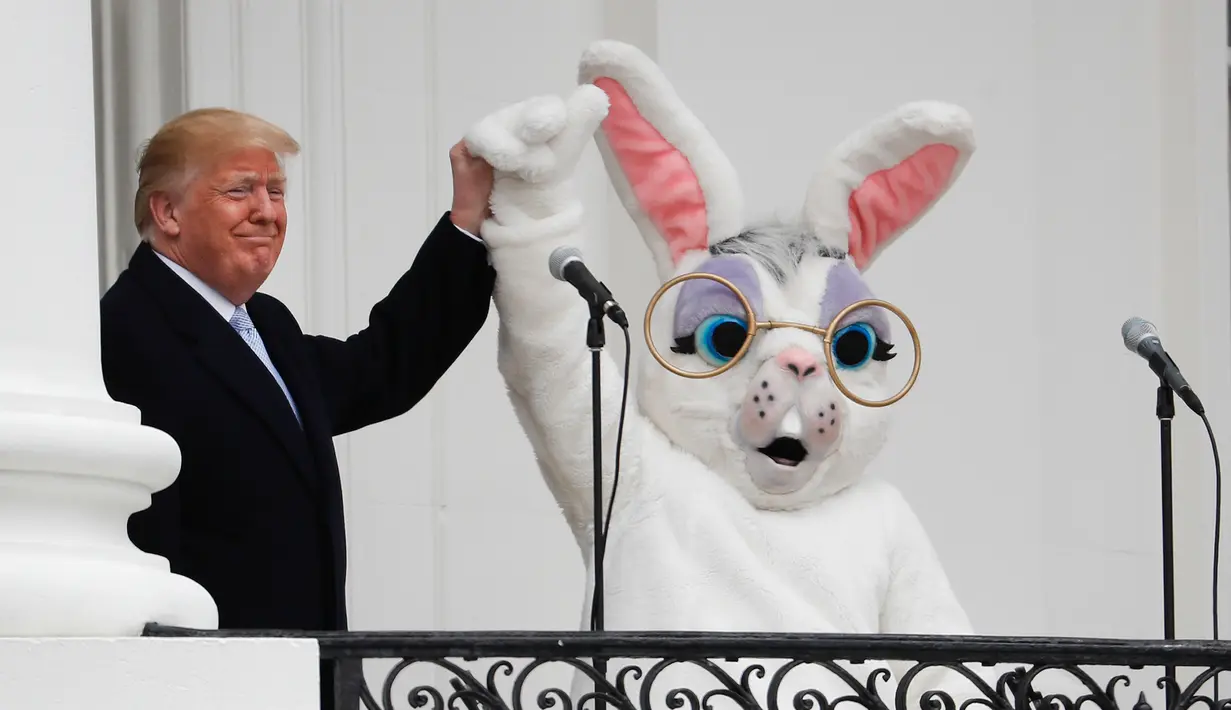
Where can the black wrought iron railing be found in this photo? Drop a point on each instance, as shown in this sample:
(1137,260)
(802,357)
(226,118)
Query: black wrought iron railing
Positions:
(711,671)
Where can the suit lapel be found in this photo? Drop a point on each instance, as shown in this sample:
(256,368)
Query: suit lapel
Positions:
(234,363)
(283,343)
(224,353)
(287,358)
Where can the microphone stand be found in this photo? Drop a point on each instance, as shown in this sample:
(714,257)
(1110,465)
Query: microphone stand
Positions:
(596,339)
(1165,411)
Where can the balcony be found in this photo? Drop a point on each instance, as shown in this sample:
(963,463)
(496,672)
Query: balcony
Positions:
(711,671)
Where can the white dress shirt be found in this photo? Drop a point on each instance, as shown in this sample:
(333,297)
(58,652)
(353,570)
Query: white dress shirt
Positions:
(225,308)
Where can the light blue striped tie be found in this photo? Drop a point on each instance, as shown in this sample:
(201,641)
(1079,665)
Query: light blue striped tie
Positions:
(242,323)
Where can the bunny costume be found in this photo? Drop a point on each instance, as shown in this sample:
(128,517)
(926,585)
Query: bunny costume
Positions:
(741,503)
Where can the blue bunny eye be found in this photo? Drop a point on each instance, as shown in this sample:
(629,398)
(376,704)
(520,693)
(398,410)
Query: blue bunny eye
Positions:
(855,345)
(716,340)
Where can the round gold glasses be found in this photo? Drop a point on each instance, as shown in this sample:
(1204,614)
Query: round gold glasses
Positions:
(856,336)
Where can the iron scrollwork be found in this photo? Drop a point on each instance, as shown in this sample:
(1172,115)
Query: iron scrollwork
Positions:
(691,671)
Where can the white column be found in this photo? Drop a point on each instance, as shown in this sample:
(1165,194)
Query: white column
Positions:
(73,463)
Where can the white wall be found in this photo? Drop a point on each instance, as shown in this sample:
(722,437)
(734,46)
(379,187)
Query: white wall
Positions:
(1029,446)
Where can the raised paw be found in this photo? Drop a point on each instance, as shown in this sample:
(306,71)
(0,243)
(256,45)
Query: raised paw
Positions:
(541,139)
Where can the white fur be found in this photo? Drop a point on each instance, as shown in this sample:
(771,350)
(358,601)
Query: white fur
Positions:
(694,543)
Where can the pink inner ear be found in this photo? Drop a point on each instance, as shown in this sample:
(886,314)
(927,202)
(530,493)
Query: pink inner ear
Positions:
(890,199)
(661,177)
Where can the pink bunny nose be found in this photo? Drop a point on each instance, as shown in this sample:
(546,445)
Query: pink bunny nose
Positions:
(798,361)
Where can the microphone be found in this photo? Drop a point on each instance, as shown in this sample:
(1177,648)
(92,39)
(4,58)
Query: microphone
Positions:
(566,265)
(1141,337)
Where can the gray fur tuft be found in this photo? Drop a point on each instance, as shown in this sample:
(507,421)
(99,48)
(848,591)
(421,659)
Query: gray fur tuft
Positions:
(777,246)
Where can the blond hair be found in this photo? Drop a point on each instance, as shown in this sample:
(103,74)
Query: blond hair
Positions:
(189,143)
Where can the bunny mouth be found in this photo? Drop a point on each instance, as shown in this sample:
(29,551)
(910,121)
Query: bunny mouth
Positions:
(785,451)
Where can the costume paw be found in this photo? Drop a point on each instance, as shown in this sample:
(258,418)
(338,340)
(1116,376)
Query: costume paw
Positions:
(541,139)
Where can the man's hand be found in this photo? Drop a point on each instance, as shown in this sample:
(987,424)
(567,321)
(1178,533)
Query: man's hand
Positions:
(472,189)
(534,147)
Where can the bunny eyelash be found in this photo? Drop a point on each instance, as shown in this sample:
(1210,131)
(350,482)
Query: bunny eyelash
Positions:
(882,351)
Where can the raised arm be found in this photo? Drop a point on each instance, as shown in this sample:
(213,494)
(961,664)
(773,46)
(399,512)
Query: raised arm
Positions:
(534,147)
(413,335)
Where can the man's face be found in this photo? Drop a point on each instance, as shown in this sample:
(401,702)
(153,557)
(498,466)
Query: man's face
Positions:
(231,223)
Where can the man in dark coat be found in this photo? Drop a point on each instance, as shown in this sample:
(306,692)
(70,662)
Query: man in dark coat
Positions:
(255,515)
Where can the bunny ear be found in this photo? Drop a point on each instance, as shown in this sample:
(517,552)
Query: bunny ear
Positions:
(674,181)
(883,179)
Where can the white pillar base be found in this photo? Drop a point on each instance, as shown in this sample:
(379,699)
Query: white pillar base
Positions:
(67,486)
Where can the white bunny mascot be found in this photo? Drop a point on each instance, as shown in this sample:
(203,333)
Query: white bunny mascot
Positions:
(741,504)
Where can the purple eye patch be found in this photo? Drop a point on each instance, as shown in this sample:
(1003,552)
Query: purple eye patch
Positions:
(701,298)
(846,287)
